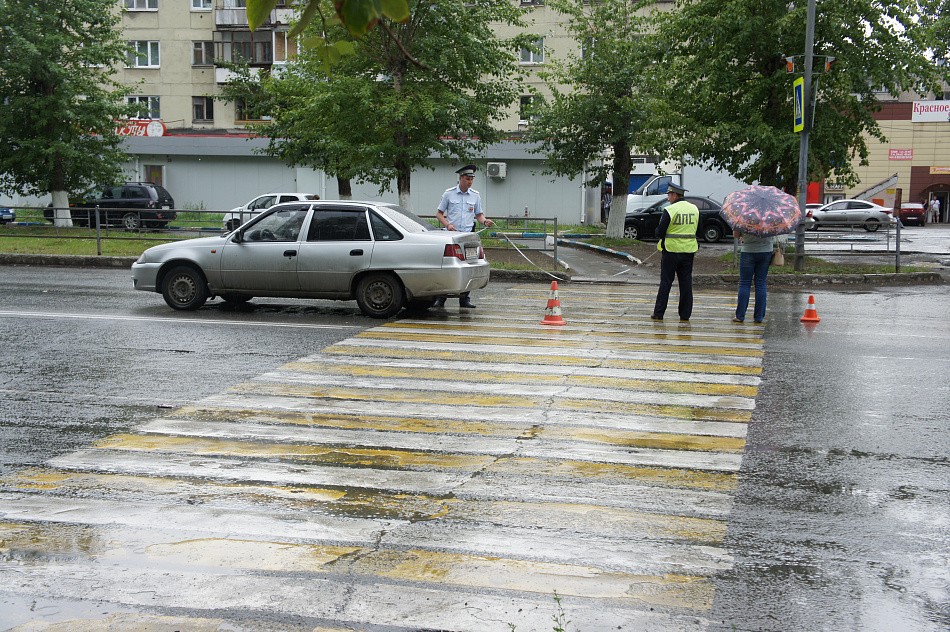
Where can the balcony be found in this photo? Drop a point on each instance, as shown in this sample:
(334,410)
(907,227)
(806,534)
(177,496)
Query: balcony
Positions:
(236,18)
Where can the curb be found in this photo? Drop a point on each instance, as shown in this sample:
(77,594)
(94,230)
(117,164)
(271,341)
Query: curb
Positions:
(72,261)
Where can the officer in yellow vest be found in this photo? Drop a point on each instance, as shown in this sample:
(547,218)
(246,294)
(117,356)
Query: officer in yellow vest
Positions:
(679,226)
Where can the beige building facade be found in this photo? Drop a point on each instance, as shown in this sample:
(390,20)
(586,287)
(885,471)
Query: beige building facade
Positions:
(917,151)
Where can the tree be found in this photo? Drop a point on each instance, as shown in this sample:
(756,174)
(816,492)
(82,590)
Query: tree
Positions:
(728,97)
(600,99)
(379,114)
(60,102)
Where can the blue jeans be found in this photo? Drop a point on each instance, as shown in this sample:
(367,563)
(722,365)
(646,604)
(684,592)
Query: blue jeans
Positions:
(753,265)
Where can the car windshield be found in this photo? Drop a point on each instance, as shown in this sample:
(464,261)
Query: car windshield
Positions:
(405,219)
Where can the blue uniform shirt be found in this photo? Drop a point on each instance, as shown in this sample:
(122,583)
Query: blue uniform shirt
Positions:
(461,208)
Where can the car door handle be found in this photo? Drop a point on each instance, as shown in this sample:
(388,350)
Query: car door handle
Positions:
(290,253)
(356,252)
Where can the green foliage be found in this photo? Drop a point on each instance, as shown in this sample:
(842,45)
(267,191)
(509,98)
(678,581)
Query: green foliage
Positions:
(378,115)
(726,97)
(600,98)
(60,101)
(359,16)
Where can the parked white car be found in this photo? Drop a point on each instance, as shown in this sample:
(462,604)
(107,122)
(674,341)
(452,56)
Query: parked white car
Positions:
(240,215)
(852,213)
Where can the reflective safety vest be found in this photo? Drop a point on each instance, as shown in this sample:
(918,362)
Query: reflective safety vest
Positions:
(681,233)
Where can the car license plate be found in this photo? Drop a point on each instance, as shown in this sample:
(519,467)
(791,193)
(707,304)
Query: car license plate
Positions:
(471,252)
(166,207)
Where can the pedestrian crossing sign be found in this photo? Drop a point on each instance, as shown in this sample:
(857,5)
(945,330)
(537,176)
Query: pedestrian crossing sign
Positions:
(799,86)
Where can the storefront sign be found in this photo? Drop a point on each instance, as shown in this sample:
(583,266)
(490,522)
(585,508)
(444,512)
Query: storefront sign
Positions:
(936,170)
(140,128)
(931,112)
(900,154)
(833,186)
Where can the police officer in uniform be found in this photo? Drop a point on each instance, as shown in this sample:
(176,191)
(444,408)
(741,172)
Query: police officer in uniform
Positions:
(677,232)
(459,209)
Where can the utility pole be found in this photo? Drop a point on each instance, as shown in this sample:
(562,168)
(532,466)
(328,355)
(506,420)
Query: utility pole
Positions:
(803,152)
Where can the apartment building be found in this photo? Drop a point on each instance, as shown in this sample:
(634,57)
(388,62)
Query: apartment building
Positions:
(198,148)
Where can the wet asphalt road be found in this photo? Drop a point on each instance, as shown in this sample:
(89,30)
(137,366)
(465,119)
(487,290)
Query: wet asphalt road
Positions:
(840,519)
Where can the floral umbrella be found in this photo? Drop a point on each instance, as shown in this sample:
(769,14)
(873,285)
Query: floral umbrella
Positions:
(761,211)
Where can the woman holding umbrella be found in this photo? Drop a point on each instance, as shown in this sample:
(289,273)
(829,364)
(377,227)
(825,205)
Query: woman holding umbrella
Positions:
(756,214)
(753,266)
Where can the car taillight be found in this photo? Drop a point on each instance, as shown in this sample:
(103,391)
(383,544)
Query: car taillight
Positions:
(888,212)
(481,252)
(808,214)
(454,250)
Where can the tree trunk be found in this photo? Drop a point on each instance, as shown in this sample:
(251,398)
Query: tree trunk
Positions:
(618,205)
(344,188)
(61,214)
(403,175)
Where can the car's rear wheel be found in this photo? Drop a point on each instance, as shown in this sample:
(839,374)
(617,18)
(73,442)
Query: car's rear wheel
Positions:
(235,299)
(380,295)
(871,225)
(131,222)
(631,231)
(712,233)
(184,288)
(233,224)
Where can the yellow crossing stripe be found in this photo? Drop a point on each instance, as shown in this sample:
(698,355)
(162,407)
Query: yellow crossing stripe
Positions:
(524,358)
(487,376)
(532,329)
(690,413)
(388,506)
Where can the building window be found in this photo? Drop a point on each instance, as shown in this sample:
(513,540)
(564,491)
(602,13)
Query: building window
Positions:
(243,46)
(144,54)
(141,5)
(203,53)
(525,110)
(532,3)
(200,5)
(534,55)
(244,112)
(202,108)
(149,107)
(235,4)
(285,48)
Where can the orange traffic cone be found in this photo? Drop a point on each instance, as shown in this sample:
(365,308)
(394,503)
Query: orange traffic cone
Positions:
(811,315)
(552,315)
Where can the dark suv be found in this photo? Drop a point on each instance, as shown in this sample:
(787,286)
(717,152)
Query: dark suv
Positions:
(642,224)
(131,205)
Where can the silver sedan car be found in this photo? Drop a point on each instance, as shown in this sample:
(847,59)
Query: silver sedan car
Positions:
(851,213)
(379,254)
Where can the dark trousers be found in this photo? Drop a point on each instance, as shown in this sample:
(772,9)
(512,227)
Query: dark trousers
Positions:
(679,265)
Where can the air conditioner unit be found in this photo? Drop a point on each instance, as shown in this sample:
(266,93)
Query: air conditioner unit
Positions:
(497,170)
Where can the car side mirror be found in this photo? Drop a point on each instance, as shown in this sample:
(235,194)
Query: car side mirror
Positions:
(238,236)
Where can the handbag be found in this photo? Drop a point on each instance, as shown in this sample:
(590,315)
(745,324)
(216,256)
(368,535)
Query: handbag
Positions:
(778,257)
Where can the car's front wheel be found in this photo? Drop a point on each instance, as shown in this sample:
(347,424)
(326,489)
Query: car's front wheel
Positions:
(712,233)
(184,288)
(871,225)
(380,295)
(131,222)
(631,231)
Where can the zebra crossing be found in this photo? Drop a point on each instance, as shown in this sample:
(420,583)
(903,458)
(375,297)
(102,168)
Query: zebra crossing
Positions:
(453,472)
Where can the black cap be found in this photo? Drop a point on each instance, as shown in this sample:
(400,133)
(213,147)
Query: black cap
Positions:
(677,189)
(467,170)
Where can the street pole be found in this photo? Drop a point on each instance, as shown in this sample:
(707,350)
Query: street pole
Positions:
(803,153)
